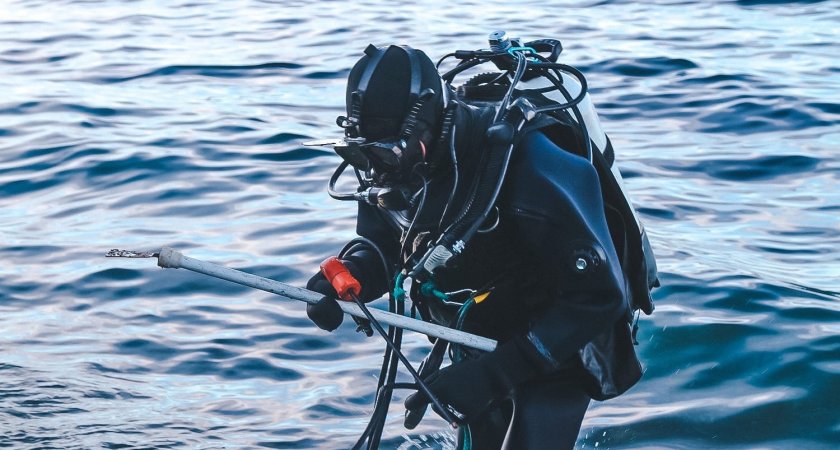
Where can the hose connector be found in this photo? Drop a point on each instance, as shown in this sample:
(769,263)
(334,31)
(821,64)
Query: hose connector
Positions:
(436,257)
(499,41)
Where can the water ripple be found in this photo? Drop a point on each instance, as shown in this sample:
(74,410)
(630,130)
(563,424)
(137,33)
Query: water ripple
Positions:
(267,69)
(181,124)
(644,67)
(751,169)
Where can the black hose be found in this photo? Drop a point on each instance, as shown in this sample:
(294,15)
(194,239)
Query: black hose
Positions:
(334,179)
(464,65)
(373,432)
(584,86)
(486,187)
(390,366)
(454,176)
(587,141)
(422,387)
(407,234)
(485,191)
(521,65)
(393,355)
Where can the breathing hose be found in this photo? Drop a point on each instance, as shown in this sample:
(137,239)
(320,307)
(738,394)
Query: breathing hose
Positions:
(334,179)
(387,374)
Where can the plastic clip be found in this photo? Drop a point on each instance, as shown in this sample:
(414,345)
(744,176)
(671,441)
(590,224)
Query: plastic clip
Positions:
(340,278)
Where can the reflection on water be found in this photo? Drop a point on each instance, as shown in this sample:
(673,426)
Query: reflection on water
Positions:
(137,125)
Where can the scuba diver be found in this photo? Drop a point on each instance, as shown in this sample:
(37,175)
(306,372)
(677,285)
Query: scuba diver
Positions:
(497,205)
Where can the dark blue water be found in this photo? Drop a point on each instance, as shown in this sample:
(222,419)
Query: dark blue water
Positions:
(142,124)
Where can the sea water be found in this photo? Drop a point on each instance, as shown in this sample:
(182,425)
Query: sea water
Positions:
(139,124)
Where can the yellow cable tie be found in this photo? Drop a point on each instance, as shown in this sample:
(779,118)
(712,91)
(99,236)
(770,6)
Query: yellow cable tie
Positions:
(480,298)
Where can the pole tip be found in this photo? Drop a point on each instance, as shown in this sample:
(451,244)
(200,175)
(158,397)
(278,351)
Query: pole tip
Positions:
(117,253)
(169,258)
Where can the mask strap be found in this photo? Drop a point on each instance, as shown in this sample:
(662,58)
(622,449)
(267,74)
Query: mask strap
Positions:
(416,75)
(375,56)
(352,124)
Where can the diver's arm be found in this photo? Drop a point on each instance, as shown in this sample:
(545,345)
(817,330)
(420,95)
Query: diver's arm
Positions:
(366,261)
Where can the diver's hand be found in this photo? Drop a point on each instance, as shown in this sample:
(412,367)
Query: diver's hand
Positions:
(473,385)
(326,314)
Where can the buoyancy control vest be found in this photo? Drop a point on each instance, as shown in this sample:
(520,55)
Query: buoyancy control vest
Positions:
(627,231)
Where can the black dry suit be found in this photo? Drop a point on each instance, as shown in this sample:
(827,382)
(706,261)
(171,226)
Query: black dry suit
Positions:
(563,262)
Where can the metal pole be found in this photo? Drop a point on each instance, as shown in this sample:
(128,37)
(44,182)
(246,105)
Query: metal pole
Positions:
(172,259)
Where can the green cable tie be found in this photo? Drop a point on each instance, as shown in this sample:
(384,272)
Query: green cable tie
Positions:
(428,288)
(399,292)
